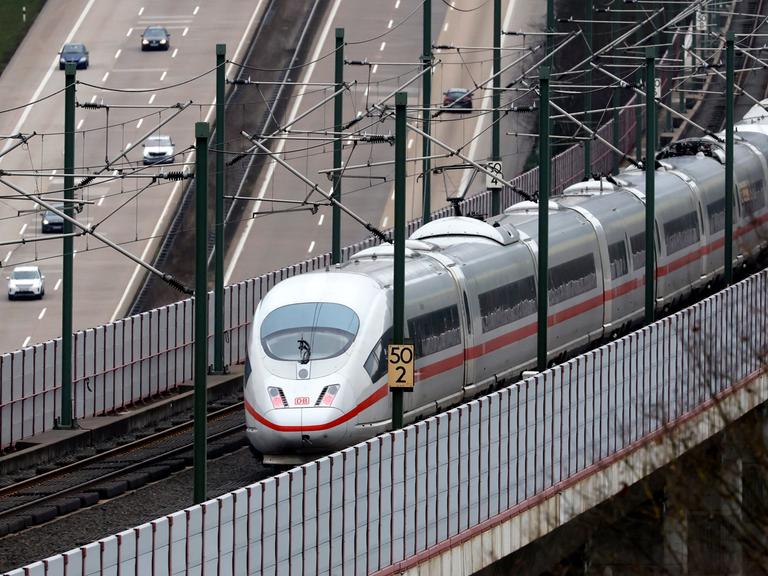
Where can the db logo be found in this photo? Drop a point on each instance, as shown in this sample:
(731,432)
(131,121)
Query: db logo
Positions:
(301,401)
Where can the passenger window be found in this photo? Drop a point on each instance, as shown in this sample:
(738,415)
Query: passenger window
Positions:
(617,254)
(572,278)
(716,215)
(435,331)
(681,232)
(508,303)
(637,244)
(752,197)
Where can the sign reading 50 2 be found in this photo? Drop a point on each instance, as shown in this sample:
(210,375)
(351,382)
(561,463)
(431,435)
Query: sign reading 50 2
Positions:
(400,366)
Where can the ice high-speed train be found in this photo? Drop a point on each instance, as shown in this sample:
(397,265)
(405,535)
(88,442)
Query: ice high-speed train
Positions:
(316,372)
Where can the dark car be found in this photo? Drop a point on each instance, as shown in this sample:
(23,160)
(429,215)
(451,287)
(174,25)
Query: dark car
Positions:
(155,38)
(52,222)
(458,99)
(76,53)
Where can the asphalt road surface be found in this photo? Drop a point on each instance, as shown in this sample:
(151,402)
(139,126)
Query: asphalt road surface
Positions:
(104,280)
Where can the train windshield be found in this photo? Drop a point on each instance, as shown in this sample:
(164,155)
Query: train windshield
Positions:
(309,331)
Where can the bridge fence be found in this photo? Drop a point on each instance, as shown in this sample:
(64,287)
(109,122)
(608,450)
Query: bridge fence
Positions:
(393,501)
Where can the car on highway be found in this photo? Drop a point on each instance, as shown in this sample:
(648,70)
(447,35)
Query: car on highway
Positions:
(52,222)
(76,53)
(155,38)
(458,99)
(26,281)
(158,149)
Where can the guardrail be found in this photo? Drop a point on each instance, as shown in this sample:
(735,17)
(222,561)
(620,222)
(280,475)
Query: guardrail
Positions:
(396,500)
(136,358)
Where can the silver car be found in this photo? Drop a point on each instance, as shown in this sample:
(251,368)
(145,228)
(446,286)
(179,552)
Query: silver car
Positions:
(158,150)
(26,281)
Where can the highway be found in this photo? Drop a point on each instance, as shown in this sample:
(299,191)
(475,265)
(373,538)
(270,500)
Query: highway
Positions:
(111,31)
(388,36)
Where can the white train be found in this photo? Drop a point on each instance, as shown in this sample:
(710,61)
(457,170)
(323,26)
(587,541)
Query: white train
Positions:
(316,374)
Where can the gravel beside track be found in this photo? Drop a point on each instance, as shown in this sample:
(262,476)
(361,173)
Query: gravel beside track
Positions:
(157,499)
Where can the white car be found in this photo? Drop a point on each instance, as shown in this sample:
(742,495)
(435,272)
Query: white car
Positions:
(26,281)
(158,150)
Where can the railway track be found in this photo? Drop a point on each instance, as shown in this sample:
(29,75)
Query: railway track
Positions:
(110,473)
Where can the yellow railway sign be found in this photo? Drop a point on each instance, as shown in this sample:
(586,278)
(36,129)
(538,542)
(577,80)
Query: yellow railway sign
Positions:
(400,366)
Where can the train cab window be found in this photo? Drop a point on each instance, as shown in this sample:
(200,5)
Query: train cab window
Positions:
(508,303)
(617,254)
(572,278)
(435,331)
(376,364)
(716,215)
(681,232)
(309,331)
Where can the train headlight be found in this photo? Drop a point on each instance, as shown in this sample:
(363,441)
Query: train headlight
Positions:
(327,395)
(277,397)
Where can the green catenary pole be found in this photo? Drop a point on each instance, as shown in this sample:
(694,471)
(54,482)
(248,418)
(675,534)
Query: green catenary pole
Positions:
(650,185)
(496,99)
(728,247)
(588,90)
(426,97)
(338,104)
(202,132)
(67,420)
(544,184)
(638,110)
(616,103)
(550,25)
(398,304)
(218,288)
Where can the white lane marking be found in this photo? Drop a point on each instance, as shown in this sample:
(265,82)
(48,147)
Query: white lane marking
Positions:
(384,222)
(375,67)
(141,10)
(390,24)
(163,75)
(175,51)
(104,78)
(393,195)
(74,254)
(186,29)
(52,175)
(93,98)
(152,98)
(196,10)
(54,66)
(100,202)
(80,123)
(23,228)
(397,4)
(320,222)
(383,45)
(172,196)
(117,54)
(8,256)
(485,103)
(128,145)
(139,123)
(130,31)
(365,93)
(445,28)
(311,246)
(280,145)
(26,341)
(42,313)
(58,283)
(410,143)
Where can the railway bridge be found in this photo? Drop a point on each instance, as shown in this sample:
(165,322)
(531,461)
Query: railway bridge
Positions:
(449,495)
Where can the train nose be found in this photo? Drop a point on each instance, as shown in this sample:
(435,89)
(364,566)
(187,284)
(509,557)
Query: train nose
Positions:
(297,430)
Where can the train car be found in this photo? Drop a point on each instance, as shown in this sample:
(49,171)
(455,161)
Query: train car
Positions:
(316,369)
